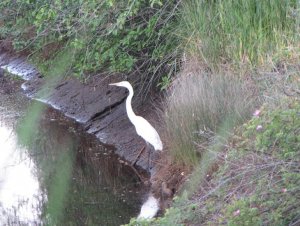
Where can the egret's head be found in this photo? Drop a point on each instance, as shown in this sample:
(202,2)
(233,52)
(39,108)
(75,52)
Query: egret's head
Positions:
(122,84)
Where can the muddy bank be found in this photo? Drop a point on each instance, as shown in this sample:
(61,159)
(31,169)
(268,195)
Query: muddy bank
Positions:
(100,109)
(99,178)
(95,104)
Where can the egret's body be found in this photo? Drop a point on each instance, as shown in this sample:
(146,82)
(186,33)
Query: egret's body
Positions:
(142,126)
(149,134)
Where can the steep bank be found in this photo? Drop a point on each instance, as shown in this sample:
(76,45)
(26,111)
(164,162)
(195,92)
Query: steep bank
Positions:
(97,106)
(101,110)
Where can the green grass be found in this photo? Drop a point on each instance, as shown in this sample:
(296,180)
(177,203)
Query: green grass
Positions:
(270,191)
(240,32)
(141,41)
(196,108)
(257,179)
(130,37)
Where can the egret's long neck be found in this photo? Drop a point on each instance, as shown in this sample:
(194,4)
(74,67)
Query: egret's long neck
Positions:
(130,112)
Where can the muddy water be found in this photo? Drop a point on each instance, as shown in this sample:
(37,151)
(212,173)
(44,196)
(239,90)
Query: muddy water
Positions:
(51,173)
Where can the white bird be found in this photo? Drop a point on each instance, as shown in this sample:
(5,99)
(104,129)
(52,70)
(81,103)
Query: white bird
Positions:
(142,126)
(149,208)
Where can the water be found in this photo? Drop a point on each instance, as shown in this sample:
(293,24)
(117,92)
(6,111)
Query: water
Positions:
(51,172)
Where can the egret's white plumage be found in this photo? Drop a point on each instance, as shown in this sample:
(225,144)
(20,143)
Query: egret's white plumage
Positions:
(142,126)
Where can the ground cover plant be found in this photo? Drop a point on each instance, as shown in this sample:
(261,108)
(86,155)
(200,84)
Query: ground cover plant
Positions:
(251,176)
(231,71)
(131,37)
(197,105)
(240,33)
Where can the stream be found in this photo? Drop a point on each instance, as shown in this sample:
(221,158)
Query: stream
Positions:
(53,173)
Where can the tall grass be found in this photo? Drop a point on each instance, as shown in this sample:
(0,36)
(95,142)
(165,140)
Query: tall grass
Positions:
(196,108)
(239,32)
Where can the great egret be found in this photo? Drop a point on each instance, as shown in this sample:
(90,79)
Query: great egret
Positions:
(142,126)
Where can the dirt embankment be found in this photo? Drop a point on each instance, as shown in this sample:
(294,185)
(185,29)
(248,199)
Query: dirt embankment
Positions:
(95,104)
(100,108)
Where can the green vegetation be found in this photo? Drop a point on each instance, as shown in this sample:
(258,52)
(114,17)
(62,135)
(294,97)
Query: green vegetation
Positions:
(234,56)
(146,39)
(131,36)
(242,175)
(250,175)
(142,38)
(279,134)
(240,32)
(254,185)
(272,193)
(197,107)
(257,182)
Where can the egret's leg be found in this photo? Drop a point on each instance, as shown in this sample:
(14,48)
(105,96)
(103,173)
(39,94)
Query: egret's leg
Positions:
(150,160)
(138,156)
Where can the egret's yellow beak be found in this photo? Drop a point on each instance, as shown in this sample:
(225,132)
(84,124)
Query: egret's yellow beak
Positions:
(122,84)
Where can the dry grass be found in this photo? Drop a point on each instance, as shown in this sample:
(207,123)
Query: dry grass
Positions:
(197,105)
(254,177)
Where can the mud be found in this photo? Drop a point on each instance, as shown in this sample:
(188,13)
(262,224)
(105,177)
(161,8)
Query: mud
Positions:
(99,107)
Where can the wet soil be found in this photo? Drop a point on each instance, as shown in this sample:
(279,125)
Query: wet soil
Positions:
(100,109)
(99,177)
(95,104)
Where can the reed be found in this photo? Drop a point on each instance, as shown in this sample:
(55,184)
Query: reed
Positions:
(197,107)
(240,32)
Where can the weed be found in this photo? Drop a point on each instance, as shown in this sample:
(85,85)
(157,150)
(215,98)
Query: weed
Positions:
(165,82)
(271,136)
(258,181)
(239,32)
(197,106)
(131,37)
(241,212)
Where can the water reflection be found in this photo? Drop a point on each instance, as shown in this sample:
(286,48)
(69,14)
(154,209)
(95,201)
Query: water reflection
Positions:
(58,176)
(19,187)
